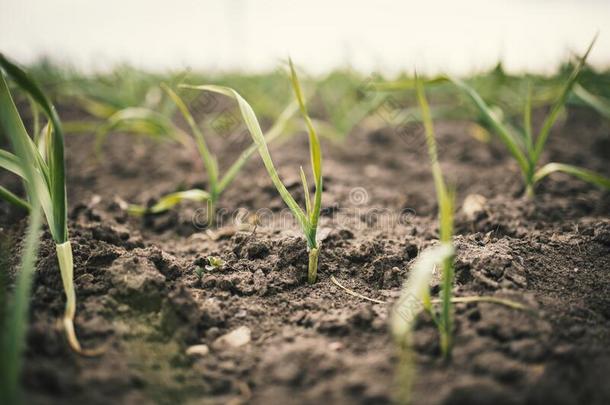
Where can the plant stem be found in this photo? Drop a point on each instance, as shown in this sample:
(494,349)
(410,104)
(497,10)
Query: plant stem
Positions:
(211,210)
(529,190)
(312,273)
(66,268)
(447,321)
(405,375)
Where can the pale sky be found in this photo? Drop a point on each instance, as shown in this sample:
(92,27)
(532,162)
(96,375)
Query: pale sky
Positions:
(254,35)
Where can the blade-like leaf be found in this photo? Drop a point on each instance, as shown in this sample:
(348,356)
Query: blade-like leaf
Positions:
(583,174)
(445,201)
(96,108)
(11,198)
(305,191)
(272,134)
(439,183)
(11,163)
(558,105)
(257,135)
(35,118)
(138,120)
(315,152)
(314,141)
(527,120)
(25,151)
(415,295)
(170,200)
(599,104)
(490,118)
(208,160)
(445,198)
(56,162)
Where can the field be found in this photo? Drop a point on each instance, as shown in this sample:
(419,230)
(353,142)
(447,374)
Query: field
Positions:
(185,311)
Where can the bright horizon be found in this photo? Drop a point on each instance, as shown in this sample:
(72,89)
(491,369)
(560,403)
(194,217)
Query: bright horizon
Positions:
(242,35)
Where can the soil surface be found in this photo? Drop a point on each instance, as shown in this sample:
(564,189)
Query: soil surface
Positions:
(253,330)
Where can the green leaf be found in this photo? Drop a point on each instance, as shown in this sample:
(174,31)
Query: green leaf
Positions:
(437,174)
(96,108)
(558,105)
(56,162)
(602,106)
(208,159)
(11,198)
(415,294)
(11,163)
(446,202)
(25,151)
(138,120)
(274,132)
(257,135)
(315,152)
(305,191)
(444,196)
(45,184)
(170,200)
(314,141)
(583,174)
(527,120)
(498,127)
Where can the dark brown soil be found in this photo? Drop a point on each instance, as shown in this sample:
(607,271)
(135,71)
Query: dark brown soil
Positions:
(139,294)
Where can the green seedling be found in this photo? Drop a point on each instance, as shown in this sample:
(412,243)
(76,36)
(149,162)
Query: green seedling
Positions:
(415,298)
(216,185)
(139,120)
(445,200)
(415,295)
(125,100)
(199,272)
(523,145)
(214,263)
(42,168)
(15,315)
(308,219)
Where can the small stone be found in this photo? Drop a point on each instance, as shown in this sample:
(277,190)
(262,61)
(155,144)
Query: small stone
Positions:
(335,346)
(236,338)
(473,206)
(212,333)
(198,350)
(323,233)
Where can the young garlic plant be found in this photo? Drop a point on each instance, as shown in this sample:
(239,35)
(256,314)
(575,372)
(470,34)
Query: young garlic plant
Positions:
(415,295)
(308,219)
(523,145)
(445,199)
(42,168)
(216,184)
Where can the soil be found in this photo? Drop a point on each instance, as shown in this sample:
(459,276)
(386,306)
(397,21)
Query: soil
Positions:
(140,297)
